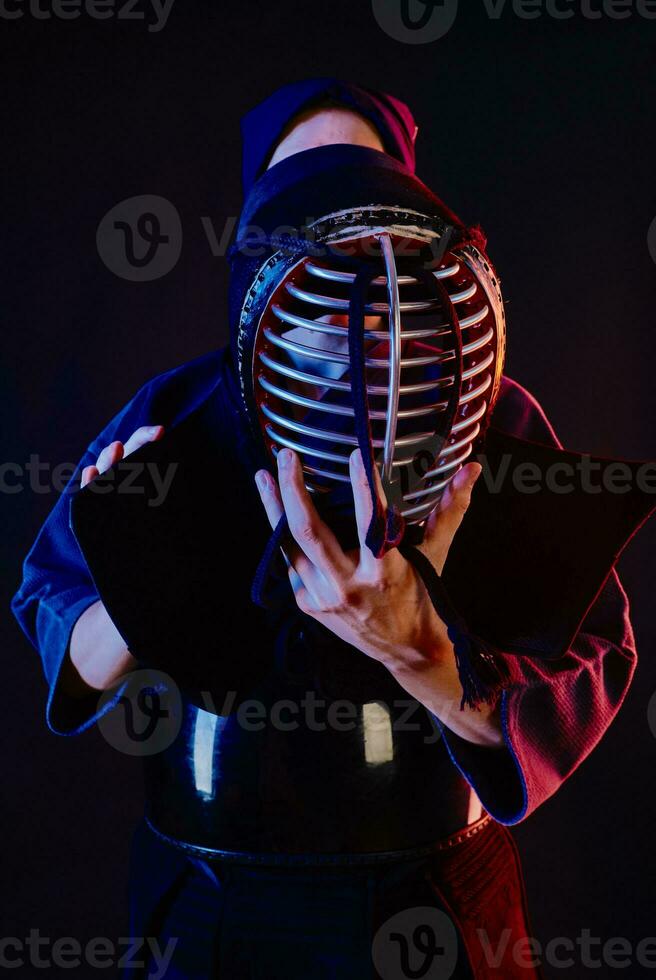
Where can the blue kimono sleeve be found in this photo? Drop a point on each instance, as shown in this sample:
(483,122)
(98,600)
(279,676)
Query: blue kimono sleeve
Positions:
(57,586)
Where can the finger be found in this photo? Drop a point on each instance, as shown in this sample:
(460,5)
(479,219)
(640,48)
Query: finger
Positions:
(444,522)
(109,456)
(374,569)
(89,473)
(363,504)
(147,433)
(304,599)
(314,537)
(270,497)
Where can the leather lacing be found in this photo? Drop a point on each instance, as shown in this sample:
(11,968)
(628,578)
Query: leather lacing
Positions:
(481,672)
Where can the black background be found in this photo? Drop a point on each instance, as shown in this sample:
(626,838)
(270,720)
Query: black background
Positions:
(541,130)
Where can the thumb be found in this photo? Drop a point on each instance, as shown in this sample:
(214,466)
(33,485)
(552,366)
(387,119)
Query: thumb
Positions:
(444,522)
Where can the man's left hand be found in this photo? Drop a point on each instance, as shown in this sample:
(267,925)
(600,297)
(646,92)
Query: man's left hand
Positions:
(378,605)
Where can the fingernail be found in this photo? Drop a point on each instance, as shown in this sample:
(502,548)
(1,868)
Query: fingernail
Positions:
(152,429)
(284,459)
(262,480)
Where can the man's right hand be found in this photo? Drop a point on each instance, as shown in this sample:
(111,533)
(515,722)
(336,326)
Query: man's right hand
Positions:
(97,655)
(116,451)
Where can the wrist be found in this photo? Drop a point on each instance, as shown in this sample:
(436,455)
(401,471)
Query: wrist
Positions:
(434,681)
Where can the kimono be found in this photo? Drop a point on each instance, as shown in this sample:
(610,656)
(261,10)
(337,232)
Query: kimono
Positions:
(233,918)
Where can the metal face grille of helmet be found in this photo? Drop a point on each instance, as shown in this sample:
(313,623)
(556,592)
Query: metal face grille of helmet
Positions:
(433,340)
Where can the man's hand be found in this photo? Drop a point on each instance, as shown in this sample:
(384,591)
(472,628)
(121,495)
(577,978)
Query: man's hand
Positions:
(116,451)
(378,605)
(97,655)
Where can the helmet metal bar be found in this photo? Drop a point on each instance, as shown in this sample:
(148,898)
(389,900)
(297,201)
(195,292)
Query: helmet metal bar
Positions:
(394,377)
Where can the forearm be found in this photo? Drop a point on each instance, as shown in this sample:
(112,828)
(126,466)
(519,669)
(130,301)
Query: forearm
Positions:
(435,683)
(97,655)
